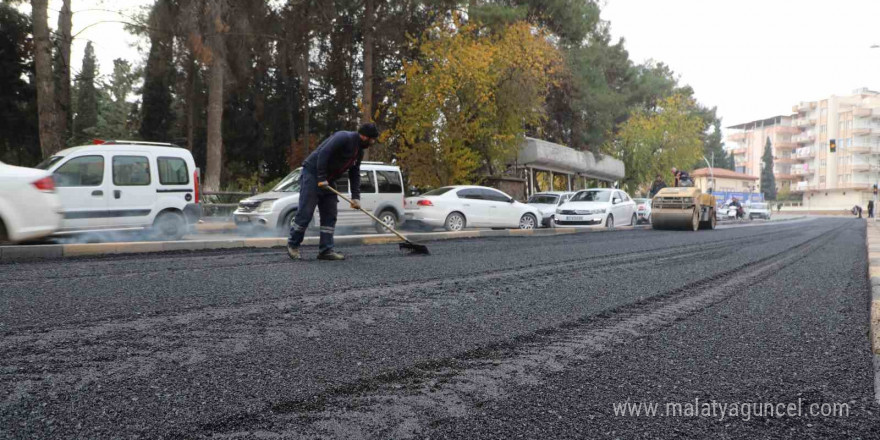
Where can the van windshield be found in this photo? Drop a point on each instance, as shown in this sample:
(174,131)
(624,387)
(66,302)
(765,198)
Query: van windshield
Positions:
(289,183)
(543,199)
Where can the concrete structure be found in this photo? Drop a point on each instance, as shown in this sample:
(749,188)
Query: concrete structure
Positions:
(802,160)
(552,167)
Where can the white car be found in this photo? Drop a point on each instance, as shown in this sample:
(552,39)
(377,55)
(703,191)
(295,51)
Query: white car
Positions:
(381,193)
(759,210)
(596,208)
(547,202)
(29,207)
(457,207)
(643,210)
(123,185)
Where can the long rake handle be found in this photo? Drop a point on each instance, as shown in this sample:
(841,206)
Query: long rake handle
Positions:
(398,234)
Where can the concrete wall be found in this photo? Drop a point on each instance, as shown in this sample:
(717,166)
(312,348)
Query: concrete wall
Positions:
(555,157)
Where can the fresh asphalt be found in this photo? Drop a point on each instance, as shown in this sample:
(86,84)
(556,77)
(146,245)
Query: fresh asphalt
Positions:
(519,337)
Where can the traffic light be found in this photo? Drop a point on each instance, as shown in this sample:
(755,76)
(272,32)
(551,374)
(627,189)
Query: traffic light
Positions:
(832,145)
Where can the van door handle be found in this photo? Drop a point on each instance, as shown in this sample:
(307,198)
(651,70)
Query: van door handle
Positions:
(117,194)
(97,193)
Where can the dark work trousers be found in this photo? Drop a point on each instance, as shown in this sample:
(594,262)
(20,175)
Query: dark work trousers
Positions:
(310,196)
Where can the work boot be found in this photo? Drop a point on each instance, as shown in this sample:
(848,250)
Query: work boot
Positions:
(331,255)
(293,253)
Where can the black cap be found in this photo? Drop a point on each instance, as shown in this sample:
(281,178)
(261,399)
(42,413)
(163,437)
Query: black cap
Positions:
(369,130)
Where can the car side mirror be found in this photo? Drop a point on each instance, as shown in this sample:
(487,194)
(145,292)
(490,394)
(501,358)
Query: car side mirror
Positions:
(510,200)
(615,201)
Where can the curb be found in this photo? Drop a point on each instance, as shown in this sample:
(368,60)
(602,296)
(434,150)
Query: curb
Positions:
(54,251)
(872,241)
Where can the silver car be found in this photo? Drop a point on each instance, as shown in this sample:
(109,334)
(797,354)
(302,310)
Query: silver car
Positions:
(547,202)
(381,193)
(759,210)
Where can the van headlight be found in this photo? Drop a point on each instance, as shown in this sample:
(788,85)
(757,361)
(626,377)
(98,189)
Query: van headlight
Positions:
(266,206)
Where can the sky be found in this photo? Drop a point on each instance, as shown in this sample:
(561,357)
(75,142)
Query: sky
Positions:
(752,59)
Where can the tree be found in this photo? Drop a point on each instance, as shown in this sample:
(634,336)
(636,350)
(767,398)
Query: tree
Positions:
(768,180)
(157,117)
(50,141)
(466,103)
(19,133)
(651,142)
(216,49)
(114,112)
(62,71)
(85,120)
(713,149)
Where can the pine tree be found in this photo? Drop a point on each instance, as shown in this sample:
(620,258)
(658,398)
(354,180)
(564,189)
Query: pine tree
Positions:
(768,181)
(157,117)
(86,119)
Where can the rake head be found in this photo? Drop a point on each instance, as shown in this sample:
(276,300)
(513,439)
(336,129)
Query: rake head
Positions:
(415,248)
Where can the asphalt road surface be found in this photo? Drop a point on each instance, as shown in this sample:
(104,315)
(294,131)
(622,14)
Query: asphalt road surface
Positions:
(522,337)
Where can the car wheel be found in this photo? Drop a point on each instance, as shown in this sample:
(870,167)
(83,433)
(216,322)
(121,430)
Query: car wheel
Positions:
(287,223)
(4,237)
(388,218)
(169,226)
(528,221)
(455,222)
(634,221)
(609,221)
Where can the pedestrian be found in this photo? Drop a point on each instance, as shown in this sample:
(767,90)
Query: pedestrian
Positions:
(870,209)
(341,152)
(657,185)
(779,207)
(681,178)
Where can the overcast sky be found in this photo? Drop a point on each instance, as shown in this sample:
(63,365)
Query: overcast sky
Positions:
(755,58)
(751,58)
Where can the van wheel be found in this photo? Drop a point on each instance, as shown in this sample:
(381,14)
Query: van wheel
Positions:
(388,218)
(169,226)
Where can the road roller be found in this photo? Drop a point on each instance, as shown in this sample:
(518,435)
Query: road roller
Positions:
(686,208)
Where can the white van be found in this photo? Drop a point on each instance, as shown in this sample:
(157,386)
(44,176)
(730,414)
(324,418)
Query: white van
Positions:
(126,185)
(381,193)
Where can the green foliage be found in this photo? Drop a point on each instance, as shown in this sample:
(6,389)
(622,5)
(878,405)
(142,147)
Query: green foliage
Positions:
(768,180)
(114,111)
(651,142)
(19,138)
(85,120)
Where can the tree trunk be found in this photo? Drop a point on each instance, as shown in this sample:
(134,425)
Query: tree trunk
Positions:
(367,115)
(49,139)
(192,73)
(305,93)
(65,23)
(215,119)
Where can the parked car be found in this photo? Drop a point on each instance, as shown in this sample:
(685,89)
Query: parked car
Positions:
(457,207)
(759,210)
(127,185)
(547,202)
(597,207)
(29,207)
(643,210)
(381,193)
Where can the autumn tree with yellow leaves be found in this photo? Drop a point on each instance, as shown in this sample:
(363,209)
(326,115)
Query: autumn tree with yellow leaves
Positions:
(653,141)
(467,100)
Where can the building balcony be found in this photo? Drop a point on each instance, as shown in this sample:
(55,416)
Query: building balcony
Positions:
(737,137)
(805,122)
(803,107)
(784,160)
(738,151)
(788,129)
(784,176)
(862,112)
(854,185)
(785,145)
(863,168)
(860,149)
(805,138)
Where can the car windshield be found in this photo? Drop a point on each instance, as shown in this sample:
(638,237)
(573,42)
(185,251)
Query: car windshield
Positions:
(591,196)
(289,183)
(759,206)
(46,164)
(438,191)
(543,199)
(640,200)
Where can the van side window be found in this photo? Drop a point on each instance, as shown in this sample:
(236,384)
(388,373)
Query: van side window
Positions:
(389,182)
(342,185)
(131,171)
(172,171)
(368,182)
(81,171)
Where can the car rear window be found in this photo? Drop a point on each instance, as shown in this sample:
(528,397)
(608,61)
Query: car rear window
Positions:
(438,191)
(173,171)
(543,199)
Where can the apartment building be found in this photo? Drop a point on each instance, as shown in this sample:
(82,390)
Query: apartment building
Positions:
(803,162)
